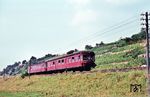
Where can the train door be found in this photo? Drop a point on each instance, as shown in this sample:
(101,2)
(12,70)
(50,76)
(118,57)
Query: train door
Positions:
(45,66)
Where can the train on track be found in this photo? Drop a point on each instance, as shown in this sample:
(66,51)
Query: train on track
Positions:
(77,61)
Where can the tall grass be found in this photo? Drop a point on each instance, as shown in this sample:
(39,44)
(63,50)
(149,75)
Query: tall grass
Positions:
(78,85)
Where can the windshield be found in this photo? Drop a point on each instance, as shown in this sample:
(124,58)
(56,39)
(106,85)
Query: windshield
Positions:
(87,57)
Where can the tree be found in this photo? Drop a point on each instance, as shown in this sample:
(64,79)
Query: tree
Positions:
(33,60)
(70,52)
(121,43)
(24,62)
(127,40)
(139,36)
(100,44)
(76,50)
(88,47)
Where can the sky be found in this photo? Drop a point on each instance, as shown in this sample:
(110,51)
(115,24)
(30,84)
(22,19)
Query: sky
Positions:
(38,27)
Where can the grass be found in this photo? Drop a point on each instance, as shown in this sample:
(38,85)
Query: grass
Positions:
(19,94)
(75,85)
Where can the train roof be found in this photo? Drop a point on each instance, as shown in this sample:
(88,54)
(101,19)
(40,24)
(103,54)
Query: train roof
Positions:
(66,55)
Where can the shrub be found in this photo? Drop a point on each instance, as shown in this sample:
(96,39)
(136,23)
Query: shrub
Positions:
(134,53)
(121,43)
(24,74)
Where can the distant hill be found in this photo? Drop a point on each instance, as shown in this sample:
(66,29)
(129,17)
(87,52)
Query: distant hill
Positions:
(21,67)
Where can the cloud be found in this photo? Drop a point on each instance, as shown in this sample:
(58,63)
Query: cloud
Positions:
(83,16)
(122,2)
(79,3)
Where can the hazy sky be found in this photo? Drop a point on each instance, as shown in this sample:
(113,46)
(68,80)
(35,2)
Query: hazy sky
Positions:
(38,27)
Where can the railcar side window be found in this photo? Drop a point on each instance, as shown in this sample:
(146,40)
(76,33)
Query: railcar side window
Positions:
(53,63)
(58,61)
(49,64)
(62,61)
(79,57)
(72,59)
(76,59)
(69,60)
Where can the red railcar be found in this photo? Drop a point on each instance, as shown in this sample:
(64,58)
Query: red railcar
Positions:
(82,60)
(37,68)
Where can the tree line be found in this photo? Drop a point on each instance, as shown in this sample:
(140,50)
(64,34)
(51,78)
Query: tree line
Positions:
(122,41)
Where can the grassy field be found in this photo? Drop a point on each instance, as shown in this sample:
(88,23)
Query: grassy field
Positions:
(75,85)
(19,94)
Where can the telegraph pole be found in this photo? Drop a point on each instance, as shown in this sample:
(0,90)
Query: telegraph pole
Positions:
(4,74)
(145,17)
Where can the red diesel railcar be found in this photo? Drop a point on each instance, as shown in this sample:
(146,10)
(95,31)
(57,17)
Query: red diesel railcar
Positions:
(82,60)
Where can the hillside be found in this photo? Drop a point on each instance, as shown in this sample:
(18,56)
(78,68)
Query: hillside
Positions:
(110,56)
(75,85)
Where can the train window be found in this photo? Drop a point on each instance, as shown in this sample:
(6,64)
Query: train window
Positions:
(73,58)
(49,64)
(85,57)
(62,61)
(69,60)
(58,61)
(76,59)
(79,57)
(53,63)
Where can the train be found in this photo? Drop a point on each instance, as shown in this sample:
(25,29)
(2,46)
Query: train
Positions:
(77,61)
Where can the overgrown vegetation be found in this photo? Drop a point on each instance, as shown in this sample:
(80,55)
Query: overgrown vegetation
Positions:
(76,85)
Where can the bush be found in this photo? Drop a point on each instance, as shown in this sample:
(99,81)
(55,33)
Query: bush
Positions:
(139,36)
(88,47)
(121,43)
(134,53)
(24,74)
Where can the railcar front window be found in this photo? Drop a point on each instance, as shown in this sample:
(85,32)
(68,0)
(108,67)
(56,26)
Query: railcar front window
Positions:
(85,57)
